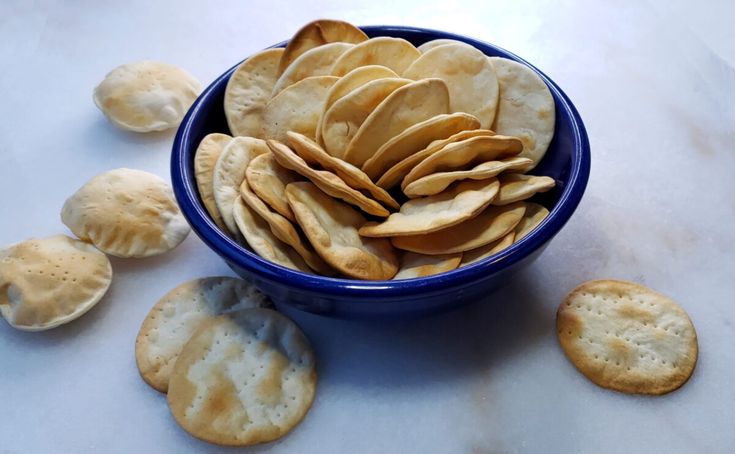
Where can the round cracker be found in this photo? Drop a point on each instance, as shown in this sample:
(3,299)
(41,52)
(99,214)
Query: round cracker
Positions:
(469,75)
(332,228)
(533,216)
(627,337)
(297,108)
(394,53)
(525,108)
(205,158)
(146,96)
(317,33)
(429,214)
(483,252)
(405,107)
(243,378)
(174,318)
(428,45)
(417,138)
(126,213)
(515,187)
(47,282)
(268,180)
(415,265)
(314,62)
(249,90)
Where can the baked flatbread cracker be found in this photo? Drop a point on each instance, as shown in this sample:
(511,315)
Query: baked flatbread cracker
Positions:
(418,265)
(314,62)
(205,158)
(394,53)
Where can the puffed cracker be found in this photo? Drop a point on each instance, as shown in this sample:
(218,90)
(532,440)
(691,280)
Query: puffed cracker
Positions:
(419,265)
(268,180)
(205,158)
(515,187)
(394,53)
(317,61)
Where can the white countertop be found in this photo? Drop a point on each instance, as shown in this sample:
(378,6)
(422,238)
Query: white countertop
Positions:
(655,85)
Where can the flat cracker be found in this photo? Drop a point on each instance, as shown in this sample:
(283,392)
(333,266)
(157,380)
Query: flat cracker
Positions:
(438,212)
(627,337)
(331,227)
(525,108)
(490,249)
(244,378)
(126,213)
(249,90)
(317,61)
(490,225)
(46,282)
(229,173)
(534,215)
(428,45)
(415,139)
(205,158)
(394,53)
(415,265)
(515,187)
(268,180)
(469,75)
(176,316)
(405,107)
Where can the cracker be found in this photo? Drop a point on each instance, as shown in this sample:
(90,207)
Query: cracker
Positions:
(415,139)
(146,96)
(342,121)
(174,318)
(428,45)
(332,226)
(465,154)
(317,33)
(205,158)
(229,173)
(296,108)
(408,105)
(244,378)
(313,154)
(469,75)
(317,61)
(437,182)
(627,337)
(46,282)
(429,214)
(418,265)
(490,225)
(126,213)
(326,181)
(515,187)
(525,108)
(483,252)
(249,90)
(533,216)
(268,180)
(394,53)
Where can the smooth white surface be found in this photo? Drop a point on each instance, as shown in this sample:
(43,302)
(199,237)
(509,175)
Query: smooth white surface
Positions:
(656,87)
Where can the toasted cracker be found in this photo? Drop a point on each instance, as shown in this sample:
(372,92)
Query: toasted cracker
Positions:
(229,173)
(473,86)
(418,265)
(533,216)
(332,226)
(515,187)
(317,61)
(296,108)
(490,249)
(343,119)
(126,213)
(394,53)
(47,282)
(525,108)
(627,337)
(243,378)
(405,107)
(429,214)
(249,90)
(268,180)
(428,45)
(313,154)
(317,33)
(174,318)
(205,158)
(326,181)
(490,225)
(437,182)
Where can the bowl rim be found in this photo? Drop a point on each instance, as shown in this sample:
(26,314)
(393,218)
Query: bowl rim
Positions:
(195,213)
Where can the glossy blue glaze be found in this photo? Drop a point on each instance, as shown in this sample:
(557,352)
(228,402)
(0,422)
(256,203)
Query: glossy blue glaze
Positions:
(567,161)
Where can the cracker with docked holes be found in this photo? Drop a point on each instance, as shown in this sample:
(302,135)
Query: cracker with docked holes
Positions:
(313,154)
(47,282)
(428,214)
(515,187)
(627,337)
(533,216)
(483,252)
(419,265)
(205,158)
(314,62)
(326,181)
(249,90)
(332,226)
(244,378)
(126,213)
(394,53)
(485,228)
(174,318)
(268,180)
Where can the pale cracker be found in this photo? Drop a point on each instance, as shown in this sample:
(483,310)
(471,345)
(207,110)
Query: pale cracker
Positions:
(394,53)
(515,187)
(268,180)
(418,265)
(483,252)
(533,216)
(428,45)
(205,158)
(314,62)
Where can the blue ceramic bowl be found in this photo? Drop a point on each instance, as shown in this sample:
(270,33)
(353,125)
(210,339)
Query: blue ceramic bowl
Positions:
(567,161)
